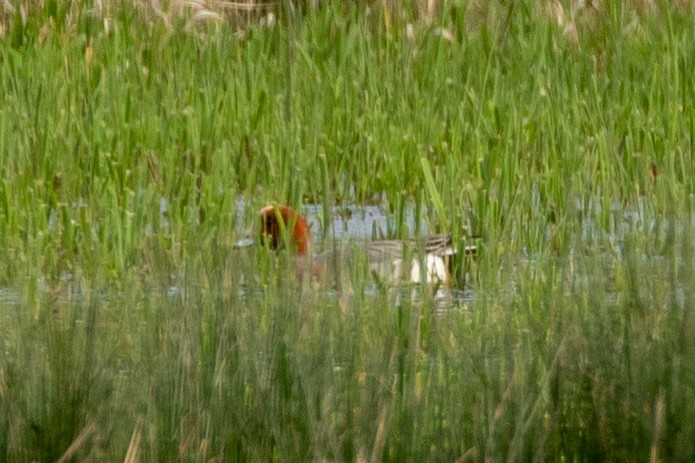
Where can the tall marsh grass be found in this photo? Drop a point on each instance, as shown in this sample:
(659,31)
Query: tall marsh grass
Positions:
(136,137)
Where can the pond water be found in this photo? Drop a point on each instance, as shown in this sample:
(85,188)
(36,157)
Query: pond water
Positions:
(359,223)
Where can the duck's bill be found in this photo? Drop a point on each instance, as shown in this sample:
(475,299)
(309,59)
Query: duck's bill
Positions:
(244,243)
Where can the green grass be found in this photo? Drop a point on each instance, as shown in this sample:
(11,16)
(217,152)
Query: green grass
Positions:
(128,335)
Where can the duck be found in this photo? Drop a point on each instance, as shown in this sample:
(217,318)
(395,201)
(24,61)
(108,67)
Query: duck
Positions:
(419,260)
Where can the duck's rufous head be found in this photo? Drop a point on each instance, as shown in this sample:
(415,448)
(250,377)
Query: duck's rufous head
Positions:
(299,234)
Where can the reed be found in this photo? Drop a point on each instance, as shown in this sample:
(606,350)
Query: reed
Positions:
(137,140)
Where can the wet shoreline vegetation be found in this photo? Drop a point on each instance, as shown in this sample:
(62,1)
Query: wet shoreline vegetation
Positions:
(139,139)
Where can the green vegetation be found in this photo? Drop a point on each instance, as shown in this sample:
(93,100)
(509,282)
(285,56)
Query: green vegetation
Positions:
(131,330)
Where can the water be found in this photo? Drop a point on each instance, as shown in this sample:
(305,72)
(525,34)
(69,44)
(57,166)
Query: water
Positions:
(345,223)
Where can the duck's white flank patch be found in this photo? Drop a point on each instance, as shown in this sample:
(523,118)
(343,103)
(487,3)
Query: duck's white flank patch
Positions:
(435,268)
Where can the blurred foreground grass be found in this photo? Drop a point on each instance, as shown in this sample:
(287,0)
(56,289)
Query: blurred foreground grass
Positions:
(562,135)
